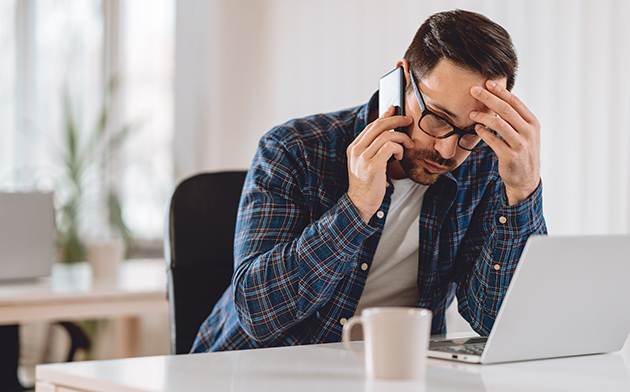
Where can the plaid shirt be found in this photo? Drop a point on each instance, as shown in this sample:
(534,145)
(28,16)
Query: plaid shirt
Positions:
(301,248)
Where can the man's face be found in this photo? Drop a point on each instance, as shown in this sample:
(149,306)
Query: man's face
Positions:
(446,92)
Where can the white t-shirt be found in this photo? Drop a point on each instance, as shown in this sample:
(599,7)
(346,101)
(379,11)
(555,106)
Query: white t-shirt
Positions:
(393,276)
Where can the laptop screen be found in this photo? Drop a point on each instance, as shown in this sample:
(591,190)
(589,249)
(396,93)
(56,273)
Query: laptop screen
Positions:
(27,235)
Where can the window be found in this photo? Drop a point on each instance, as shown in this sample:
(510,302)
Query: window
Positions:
(147,40)
(54,46)
(8,98)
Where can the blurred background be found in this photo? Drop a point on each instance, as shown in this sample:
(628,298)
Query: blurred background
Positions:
(125,98)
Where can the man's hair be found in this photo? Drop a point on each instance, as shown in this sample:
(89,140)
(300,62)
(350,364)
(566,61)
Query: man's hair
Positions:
(467,39)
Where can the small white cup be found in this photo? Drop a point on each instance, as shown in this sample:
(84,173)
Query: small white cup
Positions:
(396,341)
(105,259)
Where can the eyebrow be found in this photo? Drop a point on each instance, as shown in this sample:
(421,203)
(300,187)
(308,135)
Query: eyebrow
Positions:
(442,109)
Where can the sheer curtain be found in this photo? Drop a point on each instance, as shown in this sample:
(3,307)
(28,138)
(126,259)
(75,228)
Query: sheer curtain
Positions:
(245,66)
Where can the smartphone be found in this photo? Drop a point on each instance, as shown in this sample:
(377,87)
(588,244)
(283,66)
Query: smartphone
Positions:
(391,91)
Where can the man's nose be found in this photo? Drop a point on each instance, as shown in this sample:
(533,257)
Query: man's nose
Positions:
(447,147)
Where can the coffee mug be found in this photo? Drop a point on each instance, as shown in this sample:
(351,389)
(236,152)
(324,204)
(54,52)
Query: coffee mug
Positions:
(396,341)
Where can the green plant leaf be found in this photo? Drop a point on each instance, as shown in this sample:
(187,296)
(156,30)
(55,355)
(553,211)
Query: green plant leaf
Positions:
(85,160)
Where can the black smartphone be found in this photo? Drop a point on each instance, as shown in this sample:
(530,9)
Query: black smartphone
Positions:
(391,91)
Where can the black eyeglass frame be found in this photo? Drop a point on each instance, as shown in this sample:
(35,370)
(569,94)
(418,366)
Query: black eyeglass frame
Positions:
(456,130)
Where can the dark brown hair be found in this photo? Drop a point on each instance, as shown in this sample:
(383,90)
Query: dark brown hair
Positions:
(467,39)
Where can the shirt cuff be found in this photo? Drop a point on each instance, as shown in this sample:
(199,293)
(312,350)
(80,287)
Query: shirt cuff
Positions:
(349,226)
(522,218)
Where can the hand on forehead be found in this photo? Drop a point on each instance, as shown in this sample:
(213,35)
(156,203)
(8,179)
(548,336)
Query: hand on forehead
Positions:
(447,90)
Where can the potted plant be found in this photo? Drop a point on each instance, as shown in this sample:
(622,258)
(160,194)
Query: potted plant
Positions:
(89,212)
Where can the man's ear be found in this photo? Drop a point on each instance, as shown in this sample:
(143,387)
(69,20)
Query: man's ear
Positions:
(403,63)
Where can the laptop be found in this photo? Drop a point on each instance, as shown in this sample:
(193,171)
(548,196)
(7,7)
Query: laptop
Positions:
(27,235)
(568,296)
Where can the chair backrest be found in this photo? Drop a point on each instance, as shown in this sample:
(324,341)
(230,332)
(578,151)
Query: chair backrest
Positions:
(198,249)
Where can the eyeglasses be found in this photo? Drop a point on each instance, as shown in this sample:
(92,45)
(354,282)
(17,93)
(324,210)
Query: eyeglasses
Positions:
(439,128)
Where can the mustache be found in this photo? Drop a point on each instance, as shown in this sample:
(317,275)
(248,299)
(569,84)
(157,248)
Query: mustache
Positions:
(429,155)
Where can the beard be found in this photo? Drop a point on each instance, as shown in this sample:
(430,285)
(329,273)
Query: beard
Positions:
(415,168)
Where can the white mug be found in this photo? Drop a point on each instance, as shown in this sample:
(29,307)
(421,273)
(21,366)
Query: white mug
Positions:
(396,341)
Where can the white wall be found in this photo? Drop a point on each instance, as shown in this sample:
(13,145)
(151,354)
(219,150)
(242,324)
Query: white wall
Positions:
(244,66)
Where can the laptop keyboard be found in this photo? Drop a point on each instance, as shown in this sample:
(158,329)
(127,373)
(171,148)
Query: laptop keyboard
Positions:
(470,349)
(467,346)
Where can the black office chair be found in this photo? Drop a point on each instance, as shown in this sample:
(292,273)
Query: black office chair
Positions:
(10,353)
(9,358)
(198,249)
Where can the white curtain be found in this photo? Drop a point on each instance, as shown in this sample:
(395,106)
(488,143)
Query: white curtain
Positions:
(244,66)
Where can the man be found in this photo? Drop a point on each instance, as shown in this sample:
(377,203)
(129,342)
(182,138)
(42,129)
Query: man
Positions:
(329,225)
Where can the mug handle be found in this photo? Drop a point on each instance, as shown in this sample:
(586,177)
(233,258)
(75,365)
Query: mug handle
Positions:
(345,336)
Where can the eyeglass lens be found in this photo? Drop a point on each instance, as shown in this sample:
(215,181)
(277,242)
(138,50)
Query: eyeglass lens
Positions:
(437,127)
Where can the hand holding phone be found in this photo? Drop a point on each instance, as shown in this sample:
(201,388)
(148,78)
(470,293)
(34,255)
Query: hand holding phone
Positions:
(369,153)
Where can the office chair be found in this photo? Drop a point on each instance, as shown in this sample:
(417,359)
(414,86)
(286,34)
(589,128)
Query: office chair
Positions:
(10,353)
(198,250)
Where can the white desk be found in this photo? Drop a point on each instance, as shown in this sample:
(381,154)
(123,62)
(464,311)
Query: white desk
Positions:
(71,294)
(326,367)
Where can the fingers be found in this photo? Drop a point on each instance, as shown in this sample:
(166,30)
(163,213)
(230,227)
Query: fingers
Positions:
(513,120)
(513,101)
(388,114)
(382,147)
(504,103)
(498,145)
(377,131)
(385,146)
(368,157)
(517,144)
(508,135)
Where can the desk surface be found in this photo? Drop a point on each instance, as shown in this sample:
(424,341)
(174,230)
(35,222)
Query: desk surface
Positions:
(327,367)
(71,293)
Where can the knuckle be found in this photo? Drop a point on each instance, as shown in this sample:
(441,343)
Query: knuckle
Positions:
(503,107)
(514,100)
(512,155)
(393,145)
(494,122)
(380,120)
(386,147)
(536,124)
(352,150)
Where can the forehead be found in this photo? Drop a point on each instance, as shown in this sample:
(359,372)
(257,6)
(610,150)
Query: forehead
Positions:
(447,87)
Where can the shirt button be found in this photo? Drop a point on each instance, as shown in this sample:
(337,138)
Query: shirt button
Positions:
(497,267)
(343,321)
(502,219)
(380,214)
(364,266)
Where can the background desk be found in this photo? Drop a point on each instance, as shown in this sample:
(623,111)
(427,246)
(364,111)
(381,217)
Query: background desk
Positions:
(326,367)
(71,294)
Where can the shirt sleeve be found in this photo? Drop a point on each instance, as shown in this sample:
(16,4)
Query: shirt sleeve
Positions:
(501,232)
(287,262)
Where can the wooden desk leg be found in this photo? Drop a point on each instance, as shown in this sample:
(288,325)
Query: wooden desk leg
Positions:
(127,332)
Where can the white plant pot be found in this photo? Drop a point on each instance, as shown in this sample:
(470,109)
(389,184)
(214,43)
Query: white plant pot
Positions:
(105,258)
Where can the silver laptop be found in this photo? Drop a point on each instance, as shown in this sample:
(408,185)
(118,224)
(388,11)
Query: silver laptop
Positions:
(27,235)
(568,296)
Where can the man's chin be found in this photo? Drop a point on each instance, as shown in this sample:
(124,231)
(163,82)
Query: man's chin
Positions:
(419,173)
(423,176)
(425,167)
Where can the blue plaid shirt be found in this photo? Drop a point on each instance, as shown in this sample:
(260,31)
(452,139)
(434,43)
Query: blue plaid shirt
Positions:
(300,242)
